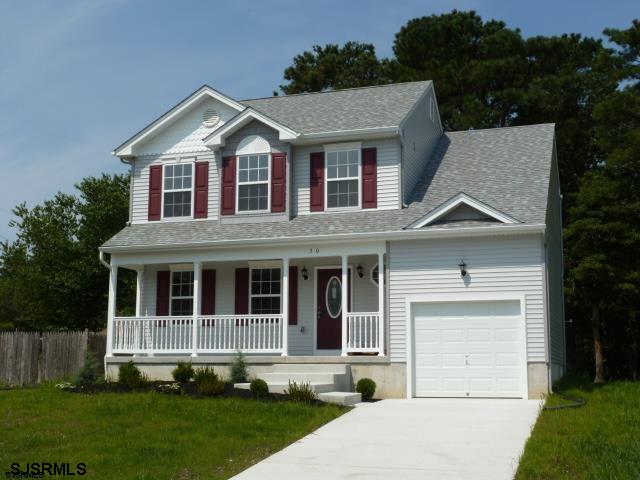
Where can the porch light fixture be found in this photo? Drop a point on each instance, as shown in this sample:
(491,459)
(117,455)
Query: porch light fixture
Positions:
(359,270)
(463,268)
(305,273)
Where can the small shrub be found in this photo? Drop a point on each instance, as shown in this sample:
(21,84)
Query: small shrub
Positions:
(208,382)
(130,375)
(300,392)
(259,388)
(239,369)
(88,374)
(183,372)
(366,387)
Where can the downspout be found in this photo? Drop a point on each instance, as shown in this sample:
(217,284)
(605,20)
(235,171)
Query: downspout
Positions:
(103,261)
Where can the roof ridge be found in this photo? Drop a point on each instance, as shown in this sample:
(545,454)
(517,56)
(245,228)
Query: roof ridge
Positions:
(334,91)
(471,130)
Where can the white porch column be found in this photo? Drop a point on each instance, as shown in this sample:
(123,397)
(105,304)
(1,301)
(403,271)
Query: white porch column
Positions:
(285,307)
(345,301)
(111,307)
(197,270)
(139,286)
(381,306)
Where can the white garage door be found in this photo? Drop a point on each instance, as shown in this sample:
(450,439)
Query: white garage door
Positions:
(468,349)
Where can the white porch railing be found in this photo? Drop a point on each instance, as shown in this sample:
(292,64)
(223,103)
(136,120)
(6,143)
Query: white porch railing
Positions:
(216,334)
(362,332)
(247,333)
(152,334)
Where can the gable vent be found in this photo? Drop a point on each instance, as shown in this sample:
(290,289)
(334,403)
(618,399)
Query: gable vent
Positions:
(210,117)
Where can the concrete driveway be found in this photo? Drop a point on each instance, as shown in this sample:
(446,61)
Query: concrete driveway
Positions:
(410,439)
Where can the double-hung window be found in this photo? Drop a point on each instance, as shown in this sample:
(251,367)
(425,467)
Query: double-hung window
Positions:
(265,291)
(178,185)
(343,179)
(181,293)
(253,182)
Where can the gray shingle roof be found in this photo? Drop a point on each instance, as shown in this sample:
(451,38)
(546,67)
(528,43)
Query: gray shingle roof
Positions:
(507,168)
(350,109)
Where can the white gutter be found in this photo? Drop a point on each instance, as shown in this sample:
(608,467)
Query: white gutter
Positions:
(385,235)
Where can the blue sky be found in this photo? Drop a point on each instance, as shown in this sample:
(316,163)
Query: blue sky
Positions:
(77,78)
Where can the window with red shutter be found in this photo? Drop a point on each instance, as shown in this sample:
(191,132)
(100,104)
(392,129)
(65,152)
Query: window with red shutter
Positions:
(228,203)
(163,284)
(201,190)
(369,178)
(278,182)
(316,182)
(155,192)
(208,304)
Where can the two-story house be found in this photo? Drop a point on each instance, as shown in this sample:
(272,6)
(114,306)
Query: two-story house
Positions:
(346,233)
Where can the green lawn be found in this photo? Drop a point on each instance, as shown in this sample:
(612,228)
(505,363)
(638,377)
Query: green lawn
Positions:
(149,435)
(598,441)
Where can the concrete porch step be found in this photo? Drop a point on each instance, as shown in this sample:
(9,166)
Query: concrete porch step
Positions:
(310,368)
(341,398)
(298,377)
(280,387)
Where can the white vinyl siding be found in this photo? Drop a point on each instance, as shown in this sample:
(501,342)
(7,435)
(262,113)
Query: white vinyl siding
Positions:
(140,203)
(388,157)
(420,138)
(557,342)
(499,264)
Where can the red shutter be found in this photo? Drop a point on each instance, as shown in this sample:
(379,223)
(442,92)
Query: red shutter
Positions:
(202,190)
(369,178)
(228,185)
(208,305)
(316,182)
(293,295)
(278,181)
(242,291)
(163,284)
(155,192)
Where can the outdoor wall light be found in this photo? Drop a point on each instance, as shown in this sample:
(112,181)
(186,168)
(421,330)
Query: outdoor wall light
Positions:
(359,270)
(463,268)
(305,273)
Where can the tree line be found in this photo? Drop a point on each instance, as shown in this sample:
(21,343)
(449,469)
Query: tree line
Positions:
(486,75)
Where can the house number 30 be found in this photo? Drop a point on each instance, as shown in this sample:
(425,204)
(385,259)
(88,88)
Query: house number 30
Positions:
(314,250)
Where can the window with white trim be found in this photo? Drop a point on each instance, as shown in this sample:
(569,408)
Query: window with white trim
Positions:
(343,179)
(265,291)
(178,186)
(253,182)
(182,293)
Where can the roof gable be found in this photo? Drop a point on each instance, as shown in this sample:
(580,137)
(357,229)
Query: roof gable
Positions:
(462,207)
(216,139)
(127,149)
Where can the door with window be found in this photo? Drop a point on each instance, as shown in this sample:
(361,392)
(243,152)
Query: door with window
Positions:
(329,309)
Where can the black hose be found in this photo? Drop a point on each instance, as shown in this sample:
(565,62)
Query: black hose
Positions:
(576,402)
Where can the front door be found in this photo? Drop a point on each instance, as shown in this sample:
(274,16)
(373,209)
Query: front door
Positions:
(329,305)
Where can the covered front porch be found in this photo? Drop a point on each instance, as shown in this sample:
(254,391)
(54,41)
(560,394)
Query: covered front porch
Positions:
(311,301)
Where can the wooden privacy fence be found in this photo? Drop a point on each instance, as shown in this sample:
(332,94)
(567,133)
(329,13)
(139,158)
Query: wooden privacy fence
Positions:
(27,358)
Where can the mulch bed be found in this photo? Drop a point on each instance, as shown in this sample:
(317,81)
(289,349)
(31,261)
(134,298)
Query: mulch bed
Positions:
(188,388)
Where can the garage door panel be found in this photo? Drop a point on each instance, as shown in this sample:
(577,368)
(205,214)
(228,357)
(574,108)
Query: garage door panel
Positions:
(428,335)
(468,349)
(450,360)
(428,360)
(479,335)
(451,335)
